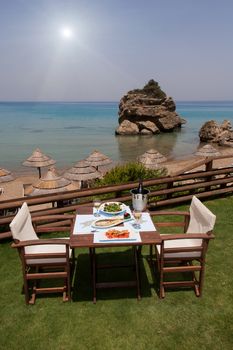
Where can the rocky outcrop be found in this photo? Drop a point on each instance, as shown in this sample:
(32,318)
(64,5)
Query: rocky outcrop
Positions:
(128,128)
(211,131)
(147,111)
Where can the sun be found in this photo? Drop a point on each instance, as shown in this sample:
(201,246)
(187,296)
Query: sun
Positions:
(66,33)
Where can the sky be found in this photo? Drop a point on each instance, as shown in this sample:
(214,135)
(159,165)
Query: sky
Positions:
(115,46)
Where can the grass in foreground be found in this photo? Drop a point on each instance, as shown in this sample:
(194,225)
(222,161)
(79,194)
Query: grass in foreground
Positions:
(118,320)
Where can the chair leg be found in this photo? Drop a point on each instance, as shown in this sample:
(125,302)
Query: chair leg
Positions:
(68,281)
(161,286)
(33,296)
(25,286)
(34,287)
(26,291)
(201,279)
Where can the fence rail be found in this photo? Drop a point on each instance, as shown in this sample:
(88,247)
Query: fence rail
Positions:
(164,191)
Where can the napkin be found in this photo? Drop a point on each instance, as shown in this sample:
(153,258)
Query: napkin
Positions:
(146,223)
(83,224)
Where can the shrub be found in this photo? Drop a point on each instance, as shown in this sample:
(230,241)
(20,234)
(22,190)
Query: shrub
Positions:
(151,89)
(129,172)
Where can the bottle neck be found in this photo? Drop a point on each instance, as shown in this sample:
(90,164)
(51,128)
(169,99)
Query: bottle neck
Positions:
(140,187)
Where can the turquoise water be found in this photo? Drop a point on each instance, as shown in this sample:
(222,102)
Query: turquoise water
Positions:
(68,132)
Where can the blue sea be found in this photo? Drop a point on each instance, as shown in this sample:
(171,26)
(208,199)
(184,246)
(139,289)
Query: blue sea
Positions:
(69,132)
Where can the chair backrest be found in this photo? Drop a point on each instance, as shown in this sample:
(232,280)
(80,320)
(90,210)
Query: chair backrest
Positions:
(21,226)
(202,220)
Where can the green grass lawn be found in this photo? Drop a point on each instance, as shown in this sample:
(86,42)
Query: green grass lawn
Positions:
(118,320)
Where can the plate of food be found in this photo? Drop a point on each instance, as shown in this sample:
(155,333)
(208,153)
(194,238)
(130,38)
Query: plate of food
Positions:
(116,234)
(106,223)
(112,208)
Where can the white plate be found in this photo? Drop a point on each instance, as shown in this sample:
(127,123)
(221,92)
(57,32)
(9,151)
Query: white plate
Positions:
(123,208)
(100,237)
(108,226)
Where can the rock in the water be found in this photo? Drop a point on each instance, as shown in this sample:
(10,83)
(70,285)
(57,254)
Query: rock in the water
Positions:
(127,128)
(211,131)
(149,109)
(148,128)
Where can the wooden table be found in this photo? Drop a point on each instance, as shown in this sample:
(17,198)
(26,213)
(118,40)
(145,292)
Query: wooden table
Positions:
(86,241)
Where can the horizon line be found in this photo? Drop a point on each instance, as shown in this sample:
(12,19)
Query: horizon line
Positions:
(96,101)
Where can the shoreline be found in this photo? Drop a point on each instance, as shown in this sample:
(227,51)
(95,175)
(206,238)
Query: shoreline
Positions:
(70,131)
(15,188)
(24,171)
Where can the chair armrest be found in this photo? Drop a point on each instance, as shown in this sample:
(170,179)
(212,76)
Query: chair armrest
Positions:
(169,237)
(53,241)
(180,223)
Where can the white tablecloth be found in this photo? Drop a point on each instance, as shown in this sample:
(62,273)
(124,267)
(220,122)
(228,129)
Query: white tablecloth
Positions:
(83,223)
(146,223)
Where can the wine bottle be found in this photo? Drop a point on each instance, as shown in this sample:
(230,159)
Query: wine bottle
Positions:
(140,187)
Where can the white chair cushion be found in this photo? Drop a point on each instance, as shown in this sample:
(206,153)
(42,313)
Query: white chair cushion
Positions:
(43,249)
(181,243)
(21,226)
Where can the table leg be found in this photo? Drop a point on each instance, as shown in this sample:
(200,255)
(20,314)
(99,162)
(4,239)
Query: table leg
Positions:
(93,260)
(91,257)
(137,271)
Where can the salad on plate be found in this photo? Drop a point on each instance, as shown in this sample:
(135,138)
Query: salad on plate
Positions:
(112,208)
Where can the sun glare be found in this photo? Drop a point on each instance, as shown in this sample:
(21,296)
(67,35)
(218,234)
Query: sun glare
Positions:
(66,33)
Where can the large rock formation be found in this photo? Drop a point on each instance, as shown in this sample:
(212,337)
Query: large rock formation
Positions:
(211,131)
(147,111)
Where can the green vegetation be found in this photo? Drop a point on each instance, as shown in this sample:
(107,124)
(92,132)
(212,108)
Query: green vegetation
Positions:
(151,89)
(129,172)
(118,320)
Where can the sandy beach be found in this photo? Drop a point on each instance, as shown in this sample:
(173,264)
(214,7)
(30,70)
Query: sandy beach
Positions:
(15,189)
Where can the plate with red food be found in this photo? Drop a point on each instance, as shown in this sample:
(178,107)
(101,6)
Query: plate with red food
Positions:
(117,234)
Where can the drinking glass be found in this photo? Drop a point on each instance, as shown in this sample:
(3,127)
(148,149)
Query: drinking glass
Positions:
(96,203)
(137,216)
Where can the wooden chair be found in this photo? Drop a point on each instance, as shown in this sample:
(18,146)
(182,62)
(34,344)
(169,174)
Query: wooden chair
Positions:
(42,258)
(185,253)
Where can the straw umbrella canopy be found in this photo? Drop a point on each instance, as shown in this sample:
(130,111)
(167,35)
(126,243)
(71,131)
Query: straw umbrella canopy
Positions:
(207,151)
(151,159)
(97,158)
(5,175)
(49,184)
(38,160)
(82,171)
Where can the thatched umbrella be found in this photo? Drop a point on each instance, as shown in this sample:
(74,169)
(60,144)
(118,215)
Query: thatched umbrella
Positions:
(5,175)
(82,171)
(151,159)
(50,183)
(38,160)
(207,151)
(97,158)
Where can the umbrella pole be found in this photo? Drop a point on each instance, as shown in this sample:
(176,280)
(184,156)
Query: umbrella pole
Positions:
(39,172)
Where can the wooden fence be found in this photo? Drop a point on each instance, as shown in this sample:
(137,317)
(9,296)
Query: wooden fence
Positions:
(169,190)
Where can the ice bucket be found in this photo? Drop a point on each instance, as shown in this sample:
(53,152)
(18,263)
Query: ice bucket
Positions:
(139,200)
